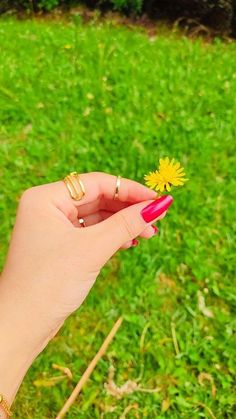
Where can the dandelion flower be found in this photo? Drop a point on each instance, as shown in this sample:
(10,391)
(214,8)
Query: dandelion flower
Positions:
(169,174)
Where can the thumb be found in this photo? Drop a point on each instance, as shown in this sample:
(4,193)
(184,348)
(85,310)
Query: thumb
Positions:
(128,223)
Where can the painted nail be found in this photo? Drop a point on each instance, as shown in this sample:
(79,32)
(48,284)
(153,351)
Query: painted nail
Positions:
(155,230)
(134,243)
(156,208)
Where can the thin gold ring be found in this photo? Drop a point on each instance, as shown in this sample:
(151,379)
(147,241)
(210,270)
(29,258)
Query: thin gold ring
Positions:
(75,186)
(118,183)
(82,222)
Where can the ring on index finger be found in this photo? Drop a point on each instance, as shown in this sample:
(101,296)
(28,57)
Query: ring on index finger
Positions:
(75,186)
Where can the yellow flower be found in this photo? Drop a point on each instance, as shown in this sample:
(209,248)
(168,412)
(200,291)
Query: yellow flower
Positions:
(169,174)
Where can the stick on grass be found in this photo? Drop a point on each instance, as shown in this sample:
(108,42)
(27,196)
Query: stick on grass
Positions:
(89,369)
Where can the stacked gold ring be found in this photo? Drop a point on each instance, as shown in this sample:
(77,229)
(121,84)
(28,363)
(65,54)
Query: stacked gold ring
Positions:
(75,186)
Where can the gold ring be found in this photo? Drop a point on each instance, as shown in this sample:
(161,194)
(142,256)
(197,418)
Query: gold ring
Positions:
(75,186)
(118,183)
(82,222)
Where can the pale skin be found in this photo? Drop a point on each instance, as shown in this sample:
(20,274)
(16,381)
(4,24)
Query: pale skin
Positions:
(52,262)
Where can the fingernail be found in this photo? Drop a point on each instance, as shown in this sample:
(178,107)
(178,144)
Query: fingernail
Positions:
(155,230)
(134,243)
(156,208)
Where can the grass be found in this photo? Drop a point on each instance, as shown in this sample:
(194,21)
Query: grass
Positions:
(101,97)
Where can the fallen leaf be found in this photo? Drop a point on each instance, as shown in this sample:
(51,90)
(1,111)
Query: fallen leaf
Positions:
(202,306)
(165,405)
(204,376)
(48,382)
(27,129)
(65,370)
(166,281)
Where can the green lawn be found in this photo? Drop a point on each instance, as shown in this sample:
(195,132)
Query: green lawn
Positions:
(101,97)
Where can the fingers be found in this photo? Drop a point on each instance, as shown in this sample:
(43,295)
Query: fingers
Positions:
(130,244)
(92,219)
(99,194)
(127,224)
(100,216)
(101,204)
(103,185)
(149,232)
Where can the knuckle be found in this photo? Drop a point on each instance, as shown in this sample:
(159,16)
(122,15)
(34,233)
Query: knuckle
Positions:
(28,198)
(96,173)
(128,225)
(28,194)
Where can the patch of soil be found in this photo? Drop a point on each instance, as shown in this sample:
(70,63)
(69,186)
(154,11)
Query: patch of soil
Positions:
(151,26)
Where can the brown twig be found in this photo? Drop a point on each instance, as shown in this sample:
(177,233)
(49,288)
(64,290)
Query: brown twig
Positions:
(89,369)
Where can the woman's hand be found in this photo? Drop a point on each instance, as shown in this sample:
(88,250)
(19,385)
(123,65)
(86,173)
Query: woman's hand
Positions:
(52,262)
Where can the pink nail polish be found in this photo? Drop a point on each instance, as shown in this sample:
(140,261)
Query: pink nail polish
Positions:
(156,208)
(134,243)
(155,230)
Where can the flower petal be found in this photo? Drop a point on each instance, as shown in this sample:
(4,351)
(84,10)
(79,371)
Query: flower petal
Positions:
(169,173)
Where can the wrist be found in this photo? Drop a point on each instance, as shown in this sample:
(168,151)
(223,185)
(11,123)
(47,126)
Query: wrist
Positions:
(22,339)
